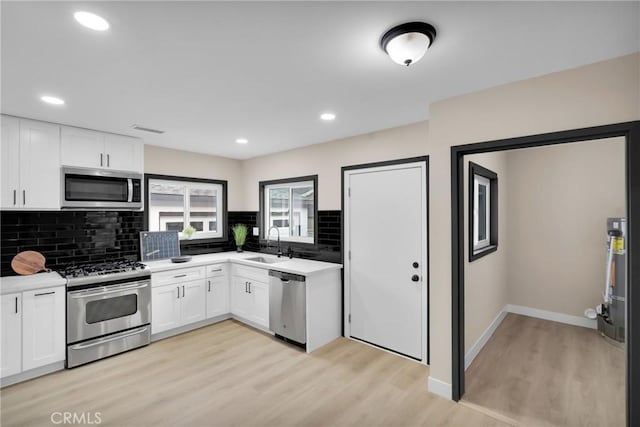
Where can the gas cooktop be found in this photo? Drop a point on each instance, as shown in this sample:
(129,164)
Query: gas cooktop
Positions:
(103,272)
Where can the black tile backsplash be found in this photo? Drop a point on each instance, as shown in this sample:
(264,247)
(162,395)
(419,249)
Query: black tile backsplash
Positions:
(67,237)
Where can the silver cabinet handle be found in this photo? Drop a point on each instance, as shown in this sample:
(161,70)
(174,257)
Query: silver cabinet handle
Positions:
(179,275)
(14,197)
(213,271)
(107,160)
(101,159)
(209,285)
(45,293)
(24,197)
(16,305)
(249,287)
(178,292)
(182,291)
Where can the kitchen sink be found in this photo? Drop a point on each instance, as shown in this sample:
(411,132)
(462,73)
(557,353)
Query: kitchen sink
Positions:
(265,260)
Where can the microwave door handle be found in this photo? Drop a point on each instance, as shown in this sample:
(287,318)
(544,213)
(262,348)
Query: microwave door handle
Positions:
(129,190)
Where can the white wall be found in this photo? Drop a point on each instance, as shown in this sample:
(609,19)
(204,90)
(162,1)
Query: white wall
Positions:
(165,161)
(559,200)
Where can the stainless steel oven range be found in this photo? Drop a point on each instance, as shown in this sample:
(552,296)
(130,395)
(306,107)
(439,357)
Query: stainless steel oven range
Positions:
(108,309)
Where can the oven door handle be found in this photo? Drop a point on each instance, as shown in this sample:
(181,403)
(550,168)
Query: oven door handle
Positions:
(109,339)
(80,294)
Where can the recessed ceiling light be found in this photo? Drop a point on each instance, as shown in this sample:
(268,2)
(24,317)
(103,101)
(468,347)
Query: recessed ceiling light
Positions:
(91,20)
(242,140)
(52,100)
(328,116)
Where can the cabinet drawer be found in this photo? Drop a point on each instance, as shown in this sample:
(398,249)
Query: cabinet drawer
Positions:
(179,275)
(215,270)
(254,273)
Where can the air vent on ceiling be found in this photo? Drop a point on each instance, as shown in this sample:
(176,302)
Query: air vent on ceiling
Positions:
(145,129)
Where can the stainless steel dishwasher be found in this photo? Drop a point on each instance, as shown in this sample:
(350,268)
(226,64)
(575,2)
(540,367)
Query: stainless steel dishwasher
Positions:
(288,306)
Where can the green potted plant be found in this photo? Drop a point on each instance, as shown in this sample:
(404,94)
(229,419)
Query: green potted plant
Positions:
(188,231)
(239,235)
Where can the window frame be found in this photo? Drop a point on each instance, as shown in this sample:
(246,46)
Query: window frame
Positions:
(478,249)
(223,216)
(262,185)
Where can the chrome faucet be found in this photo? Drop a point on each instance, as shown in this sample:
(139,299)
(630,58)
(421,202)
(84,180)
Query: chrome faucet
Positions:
(269,238)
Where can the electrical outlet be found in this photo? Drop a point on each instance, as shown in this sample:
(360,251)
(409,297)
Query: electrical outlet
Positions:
(256,231)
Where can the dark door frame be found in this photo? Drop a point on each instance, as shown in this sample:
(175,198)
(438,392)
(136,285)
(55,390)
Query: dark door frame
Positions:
(344,169)
(631,132)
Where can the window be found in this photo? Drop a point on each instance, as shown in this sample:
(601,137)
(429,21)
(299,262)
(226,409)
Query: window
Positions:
(174,203)
(290,206)
(483,211)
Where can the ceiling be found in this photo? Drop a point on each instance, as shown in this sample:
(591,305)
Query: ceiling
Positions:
(210,72)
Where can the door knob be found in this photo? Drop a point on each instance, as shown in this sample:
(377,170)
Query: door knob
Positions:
(415,265)
(415,278)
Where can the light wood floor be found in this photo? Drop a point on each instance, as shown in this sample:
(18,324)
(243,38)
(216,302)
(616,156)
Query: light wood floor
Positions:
(231,375)
(544,373)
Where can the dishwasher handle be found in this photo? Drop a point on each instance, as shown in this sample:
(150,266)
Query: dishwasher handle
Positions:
(285,277)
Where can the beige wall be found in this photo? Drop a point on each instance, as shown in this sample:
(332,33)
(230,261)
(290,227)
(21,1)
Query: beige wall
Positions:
(596,94)
(486,277)
(165,161)
(559,200)
(326,159)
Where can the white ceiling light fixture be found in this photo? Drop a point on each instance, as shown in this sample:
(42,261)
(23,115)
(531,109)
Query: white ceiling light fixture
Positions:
(327,117)
(242,140)
(91,20)
(53,100)
(407,43)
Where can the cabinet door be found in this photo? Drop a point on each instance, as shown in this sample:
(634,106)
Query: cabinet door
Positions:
(43,337)
(123,153)
(39,165)
(260,303)
(193,301)
(165,308)
(240,301)
(82,148)
(11,330)
(9,161)
(217,296)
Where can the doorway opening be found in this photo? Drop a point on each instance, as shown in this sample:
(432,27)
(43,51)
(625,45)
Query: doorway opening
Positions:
(630,133)
(385,247)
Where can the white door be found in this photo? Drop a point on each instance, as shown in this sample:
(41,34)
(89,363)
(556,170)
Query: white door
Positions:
(165,308)
(193,301)
(11,330)
(82,148)
(39,165)
(9,162)
(260,303)
(217,296)
(385,240)
(123,153)
(240,302)
(43,320)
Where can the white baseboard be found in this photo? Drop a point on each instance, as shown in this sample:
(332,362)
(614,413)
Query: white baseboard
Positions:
(552,315)
(480,343)
(440,388)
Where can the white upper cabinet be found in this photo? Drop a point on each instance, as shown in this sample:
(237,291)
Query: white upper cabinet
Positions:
(9,160)
(93,149)
(30,164)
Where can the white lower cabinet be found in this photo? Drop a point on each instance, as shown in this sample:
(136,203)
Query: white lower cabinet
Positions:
(33,330)
(43,327)
(177,304)
(217,291)
(11,330)
(250,300)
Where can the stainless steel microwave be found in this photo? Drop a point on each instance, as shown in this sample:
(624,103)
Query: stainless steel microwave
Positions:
(84,188)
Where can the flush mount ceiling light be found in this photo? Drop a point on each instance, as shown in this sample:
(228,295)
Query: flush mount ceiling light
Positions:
(91,20)
(242,140)
(407,43)
(53,100)
(327,116)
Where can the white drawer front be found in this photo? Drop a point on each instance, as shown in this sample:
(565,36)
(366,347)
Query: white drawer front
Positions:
(215,270)
(259,274)
(179,275)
